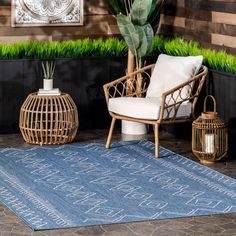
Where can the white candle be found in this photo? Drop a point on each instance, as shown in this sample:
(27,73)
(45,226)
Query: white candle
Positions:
(209,143)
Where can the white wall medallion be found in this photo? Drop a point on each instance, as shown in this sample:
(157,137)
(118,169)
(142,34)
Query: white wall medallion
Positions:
(46,12)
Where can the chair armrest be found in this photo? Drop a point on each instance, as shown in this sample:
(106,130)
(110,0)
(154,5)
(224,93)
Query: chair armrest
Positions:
(173,98)
(132,85)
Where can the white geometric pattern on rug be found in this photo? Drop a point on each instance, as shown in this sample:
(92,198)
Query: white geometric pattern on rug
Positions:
(85,184)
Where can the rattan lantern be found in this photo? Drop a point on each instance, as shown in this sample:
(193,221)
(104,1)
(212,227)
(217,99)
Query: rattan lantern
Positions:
(209,135)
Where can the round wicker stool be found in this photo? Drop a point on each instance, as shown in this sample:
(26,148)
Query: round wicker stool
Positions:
(48,119)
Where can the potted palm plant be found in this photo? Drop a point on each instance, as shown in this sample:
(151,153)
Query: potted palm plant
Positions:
(138,21)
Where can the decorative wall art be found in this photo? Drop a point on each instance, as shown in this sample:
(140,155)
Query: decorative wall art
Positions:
(47,13)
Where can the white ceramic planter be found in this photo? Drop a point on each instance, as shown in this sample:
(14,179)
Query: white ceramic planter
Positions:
(47,84)
(133,128)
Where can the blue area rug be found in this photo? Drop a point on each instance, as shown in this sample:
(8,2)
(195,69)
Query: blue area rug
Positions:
(84,184)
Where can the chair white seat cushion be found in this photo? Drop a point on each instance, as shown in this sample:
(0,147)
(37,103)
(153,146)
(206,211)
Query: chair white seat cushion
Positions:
(144,108)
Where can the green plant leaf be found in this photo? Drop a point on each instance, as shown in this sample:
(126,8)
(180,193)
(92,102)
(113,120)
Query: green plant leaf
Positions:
(129,32)
(143,43)
(154,16)
(145,40)
(117,6)
(149,34)
(44,70)
(140,11)
(153,7)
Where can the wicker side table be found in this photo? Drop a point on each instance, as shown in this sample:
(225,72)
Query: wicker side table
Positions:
(48,119)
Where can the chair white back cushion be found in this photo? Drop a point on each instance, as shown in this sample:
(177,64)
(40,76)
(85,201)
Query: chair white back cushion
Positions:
(171,71)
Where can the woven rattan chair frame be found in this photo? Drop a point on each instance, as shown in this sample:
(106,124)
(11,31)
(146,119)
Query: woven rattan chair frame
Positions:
(170,103)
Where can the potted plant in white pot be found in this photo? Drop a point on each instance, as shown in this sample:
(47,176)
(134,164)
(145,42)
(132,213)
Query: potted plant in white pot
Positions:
(48,72)
(138,20)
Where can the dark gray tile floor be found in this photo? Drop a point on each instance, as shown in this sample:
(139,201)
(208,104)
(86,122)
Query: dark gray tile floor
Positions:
(215,225)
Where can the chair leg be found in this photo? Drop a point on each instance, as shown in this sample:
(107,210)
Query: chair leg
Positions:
(156,133)
(110,132)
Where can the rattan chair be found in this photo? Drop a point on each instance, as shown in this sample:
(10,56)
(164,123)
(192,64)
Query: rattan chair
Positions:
(170,104)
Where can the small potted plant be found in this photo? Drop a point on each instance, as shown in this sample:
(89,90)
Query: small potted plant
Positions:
(48,72)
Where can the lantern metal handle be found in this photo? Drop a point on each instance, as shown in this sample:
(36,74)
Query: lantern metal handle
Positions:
(214,102)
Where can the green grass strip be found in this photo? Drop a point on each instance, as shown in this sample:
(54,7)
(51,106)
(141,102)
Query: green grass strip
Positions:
(217,60)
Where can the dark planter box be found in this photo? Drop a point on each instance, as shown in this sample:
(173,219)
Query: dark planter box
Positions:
(223,87)
(82,78)
(17,79)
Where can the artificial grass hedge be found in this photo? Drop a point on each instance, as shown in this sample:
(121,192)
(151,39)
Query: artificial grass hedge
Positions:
(217,60)
(65,49)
